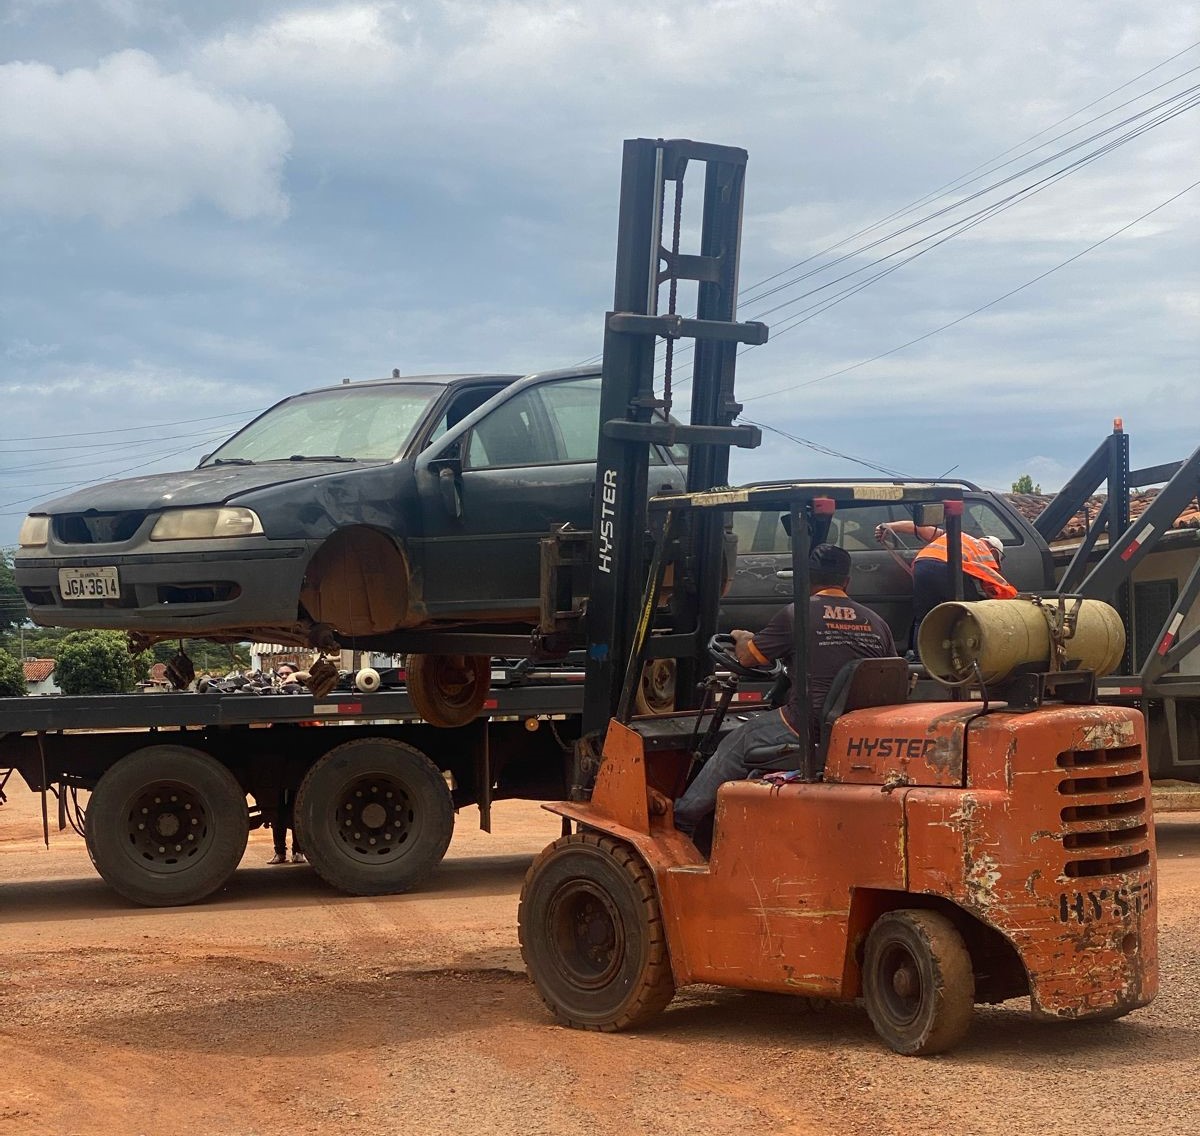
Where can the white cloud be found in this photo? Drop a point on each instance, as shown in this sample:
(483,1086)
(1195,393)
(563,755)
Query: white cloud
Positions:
(25,349)
(348,44)
(125,141)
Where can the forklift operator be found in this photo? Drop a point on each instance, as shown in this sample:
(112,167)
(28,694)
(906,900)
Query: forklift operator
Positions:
(840,629)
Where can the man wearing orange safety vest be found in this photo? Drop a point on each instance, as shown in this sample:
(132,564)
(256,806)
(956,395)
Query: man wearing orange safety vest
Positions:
(981,560)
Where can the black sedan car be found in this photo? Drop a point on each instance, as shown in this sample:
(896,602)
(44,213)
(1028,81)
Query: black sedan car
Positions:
(359,509)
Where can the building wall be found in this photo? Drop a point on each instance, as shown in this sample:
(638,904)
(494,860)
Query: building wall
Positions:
(1174,565)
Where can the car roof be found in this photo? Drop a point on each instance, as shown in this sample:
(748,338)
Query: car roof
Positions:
(953,482)
(455,379)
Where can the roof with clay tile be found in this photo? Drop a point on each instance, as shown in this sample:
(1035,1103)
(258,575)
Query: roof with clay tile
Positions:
(37,670)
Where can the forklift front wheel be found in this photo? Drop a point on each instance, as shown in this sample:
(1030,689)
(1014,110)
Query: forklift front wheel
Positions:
(918,982)
(448,690)
(592,934)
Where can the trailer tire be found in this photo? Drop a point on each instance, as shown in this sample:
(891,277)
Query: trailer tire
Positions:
(592,934)
(166,825)
(918,982)
(374,816)
(448,690)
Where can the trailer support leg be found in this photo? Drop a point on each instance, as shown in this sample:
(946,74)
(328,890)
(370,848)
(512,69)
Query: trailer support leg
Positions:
(483,776)
(45,815)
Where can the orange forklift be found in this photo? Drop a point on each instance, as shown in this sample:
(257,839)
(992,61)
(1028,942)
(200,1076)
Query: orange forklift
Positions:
(923,856)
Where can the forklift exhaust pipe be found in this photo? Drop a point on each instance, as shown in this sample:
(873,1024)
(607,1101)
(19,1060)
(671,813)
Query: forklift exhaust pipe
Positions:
(1007,636)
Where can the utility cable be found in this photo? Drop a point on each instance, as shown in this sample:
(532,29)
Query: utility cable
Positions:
(117,473)
(963,181)
(124,429)
(966,178)
(819,448)
(983,307)
(961,225)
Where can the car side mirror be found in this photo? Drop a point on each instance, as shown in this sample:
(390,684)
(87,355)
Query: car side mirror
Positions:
(450,487)
(930,514)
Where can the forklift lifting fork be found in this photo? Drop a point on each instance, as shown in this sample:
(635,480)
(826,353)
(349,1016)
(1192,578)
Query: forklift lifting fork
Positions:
(927,856)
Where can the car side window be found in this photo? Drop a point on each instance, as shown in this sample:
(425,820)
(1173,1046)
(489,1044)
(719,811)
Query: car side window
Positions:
(515,433)
(459,408)
(982,519)
(854,529)
(574,410)
(760,533)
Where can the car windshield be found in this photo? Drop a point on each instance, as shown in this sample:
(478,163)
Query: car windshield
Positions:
(367,423)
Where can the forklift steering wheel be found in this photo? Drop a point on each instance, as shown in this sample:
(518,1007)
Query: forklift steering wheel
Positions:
(723,651)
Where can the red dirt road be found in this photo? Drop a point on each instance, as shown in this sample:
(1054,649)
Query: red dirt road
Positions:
(282,1007)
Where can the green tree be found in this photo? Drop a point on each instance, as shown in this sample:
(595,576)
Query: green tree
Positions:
(12,603)
(12,677)
(1024,484)
(95,662)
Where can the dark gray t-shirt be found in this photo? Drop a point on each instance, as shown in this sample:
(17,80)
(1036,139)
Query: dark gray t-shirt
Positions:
(839,629)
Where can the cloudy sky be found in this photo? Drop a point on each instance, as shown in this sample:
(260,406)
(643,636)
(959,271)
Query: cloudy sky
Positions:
(204,207)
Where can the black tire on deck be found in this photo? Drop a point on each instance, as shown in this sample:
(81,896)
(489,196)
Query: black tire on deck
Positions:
(918,982)
(166,825)
(374,816)
(448,690)
(592,934)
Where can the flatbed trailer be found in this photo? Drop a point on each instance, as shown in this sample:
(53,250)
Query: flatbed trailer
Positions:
(178,780)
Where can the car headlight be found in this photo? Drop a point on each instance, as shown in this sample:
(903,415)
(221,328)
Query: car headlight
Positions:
(35,531)
(204,524)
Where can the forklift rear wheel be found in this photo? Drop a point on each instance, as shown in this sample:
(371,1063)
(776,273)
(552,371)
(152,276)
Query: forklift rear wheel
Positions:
(448,690)
(918,983)
(166,825)
(656,692)
(592,934)
(374,816)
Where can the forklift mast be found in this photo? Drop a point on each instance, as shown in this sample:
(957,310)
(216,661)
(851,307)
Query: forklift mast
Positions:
(633,415)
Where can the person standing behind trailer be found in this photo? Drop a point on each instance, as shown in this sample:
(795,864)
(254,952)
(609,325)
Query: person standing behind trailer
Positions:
(840,630)
(283,819)
(982,558)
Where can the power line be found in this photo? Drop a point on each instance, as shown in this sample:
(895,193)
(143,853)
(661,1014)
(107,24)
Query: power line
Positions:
(124,429)
(963,224)
(982,307)
(126,444)
(117,473)
(106,460)
(826,449)
(964,179)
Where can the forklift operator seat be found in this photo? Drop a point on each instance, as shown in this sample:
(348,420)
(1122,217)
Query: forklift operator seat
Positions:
(859,684)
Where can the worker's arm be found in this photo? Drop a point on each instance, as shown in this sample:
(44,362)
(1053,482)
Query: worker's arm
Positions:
(907,528)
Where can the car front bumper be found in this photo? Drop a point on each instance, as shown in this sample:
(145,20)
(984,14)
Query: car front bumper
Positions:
(193,588)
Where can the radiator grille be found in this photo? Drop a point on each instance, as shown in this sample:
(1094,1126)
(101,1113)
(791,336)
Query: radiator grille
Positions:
(97,528)
(1105,828)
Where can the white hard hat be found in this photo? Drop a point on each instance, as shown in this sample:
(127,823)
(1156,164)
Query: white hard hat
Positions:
(996,544)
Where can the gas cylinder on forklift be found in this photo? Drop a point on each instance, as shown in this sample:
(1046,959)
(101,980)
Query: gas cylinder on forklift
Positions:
(929,856)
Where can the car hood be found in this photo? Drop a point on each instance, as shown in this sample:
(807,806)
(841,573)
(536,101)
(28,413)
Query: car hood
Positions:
(213,485)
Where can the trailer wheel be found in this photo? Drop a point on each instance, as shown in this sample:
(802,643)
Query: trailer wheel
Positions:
(166,825)
(374,816)
(448,690)
(918,983)
(592,934)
